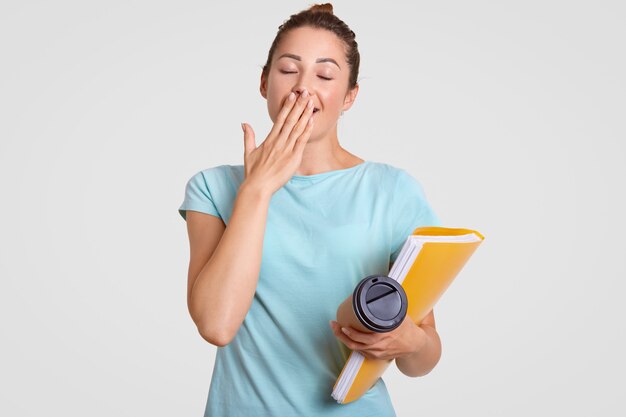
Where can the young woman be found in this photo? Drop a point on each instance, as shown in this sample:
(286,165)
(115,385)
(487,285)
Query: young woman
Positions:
(279,242)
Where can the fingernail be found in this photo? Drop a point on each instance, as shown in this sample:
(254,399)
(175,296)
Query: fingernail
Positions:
(346,331)
(243,128)
(291,96)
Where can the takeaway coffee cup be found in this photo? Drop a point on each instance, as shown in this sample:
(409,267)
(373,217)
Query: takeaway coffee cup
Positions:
(377,304)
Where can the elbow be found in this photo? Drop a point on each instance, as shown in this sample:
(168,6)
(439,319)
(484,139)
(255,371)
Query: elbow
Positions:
(213,333)
(218,332)
(216,339)
(217,336)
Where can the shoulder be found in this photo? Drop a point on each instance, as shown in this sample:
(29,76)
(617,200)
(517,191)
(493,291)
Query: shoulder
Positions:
(216,170)
(216,175)
(381,170)
(213,183)
(395,178)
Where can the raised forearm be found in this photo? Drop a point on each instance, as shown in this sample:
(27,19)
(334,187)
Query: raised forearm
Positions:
(423,361)
(224,289)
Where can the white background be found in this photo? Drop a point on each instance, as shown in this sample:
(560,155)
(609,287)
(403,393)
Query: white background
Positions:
(510,114)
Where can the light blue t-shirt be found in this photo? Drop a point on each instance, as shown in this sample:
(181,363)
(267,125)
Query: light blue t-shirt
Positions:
(324,233)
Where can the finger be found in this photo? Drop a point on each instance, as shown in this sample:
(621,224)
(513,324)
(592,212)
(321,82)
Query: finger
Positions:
(299,128)
(361,337)
(351,344)
(283,113)
(248,138)
(301,142)
(294,115)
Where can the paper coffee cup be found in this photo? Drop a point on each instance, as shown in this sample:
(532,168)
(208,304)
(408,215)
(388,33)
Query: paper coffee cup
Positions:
(377,304)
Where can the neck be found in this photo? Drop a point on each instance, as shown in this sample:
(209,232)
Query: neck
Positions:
(324,153)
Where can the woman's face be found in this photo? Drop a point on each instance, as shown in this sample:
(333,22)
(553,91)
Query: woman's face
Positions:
(294,68)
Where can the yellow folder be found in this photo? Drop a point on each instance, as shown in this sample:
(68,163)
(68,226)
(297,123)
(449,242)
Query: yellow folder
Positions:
(430,259)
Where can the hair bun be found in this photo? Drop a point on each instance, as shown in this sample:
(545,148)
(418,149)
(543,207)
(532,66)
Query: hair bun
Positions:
(322,8)
(320,17)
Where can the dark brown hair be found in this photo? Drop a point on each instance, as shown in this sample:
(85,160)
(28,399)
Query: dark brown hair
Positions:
(320,16)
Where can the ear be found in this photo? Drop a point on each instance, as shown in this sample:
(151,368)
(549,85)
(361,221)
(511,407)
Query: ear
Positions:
(263,86)
(350,97)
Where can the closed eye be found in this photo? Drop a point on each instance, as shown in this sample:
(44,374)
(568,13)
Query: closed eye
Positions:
(293,72)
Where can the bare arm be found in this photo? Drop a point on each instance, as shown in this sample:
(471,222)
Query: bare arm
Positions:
(222,280)
(225,261)
(426,358)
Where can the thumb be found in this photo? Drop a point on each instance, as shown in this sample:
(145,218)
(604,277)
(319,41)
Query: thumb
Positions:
(248,138)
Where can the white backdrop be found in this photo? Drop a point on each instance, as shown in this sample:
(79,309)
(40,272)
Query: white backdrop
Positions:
(510,114)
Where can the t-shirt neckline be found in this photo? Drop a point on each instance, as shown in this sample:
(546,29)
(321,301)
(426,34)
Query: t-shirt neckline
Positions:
(328,173)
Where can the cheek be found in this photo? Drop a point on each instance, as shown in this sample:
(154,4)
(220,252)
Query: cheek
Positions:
(276,96)
(332,101)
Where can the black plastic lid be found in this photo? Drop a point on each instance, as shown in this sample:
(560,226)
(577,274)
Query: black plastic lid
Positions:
(380,303)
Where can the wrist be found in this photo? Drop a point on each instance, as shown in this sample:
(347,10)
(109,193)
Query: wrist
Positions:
(422,339)
(254,191)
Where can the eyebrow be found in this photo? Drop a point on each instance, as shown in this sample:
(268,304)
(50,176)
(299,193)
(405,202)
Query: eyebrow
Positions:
(299,58)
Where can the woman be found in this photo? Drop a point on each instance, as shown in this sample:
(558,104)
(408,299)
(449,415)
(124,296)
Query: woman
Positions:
(279,242)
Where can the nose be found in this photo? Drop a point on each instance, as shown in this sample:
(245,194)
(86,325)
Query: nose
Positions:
(304,81)
(300,90)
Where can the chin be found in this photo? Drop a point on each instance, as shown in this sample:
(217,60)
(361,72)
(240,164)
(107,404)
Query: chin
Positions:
(316,135)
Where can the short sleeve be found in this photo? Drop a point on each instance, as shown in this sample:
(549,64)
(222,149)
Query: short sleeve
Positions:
(198,196)
(410,210)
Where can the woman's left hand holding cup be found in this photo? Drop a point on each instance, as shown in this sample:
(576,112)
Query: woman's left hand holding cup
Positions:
(405,340)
